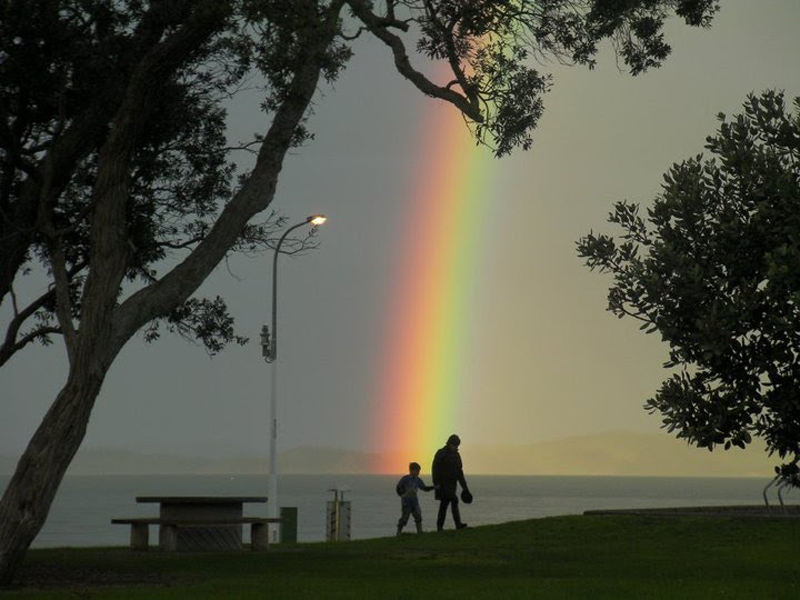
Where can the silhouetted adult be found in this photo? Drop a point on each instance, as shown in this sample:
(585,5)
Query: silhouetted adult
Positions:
(448,472)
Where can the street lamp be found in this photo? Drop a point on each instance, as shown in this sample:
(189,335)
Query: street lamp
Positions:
(269,350)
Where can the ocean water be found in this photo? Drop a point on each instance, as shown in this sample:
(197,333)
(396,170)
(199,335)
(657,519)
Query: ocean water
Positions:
(82,511)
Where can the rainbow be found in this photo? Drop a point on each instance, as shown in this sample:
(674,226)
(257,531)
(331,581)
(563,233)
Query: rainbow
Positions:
(432,310)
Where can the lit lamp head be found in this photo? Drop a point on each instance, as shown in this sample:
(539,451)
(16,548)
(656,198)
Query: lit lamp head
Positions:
(316,220)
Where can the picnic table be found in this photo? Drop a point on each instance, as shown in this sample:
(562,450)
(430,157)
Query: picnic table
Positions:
(198,523)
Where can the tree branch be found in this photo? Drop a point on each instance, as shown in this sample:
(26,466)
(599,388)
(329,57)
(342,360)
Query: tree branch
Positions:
(63,301)
(10,343)
(452,58)
(9,350)
(254,196)
(109,233)
(378,27)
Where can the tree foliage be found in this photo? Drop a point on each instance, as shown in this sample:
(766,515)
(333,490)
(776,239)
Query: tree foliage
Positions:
(56,125)
(714,269)
(85,54)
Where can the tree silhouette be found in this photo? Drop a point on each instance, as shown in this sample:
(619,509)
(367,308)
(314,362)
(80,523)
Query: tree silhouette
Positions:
(713,269)
(115,176)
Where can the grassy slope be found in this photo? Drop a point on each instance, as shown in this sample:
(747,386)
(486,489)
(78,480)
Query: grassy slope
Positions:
(563,557)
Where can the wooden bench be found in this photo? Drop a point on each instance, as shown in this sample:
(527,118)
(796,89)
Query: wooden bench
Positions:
(140,530)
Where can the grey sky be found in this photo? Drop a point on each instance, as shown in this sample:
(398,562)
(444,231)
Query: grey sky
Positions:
(551,361)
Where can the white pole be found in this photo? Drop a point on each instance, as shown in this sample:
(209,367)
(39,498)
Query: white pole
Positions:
(272,494)
(270,352)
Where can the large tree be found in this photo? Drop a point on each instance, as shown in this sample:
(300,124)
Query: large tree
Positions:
(715,269)
(115,175)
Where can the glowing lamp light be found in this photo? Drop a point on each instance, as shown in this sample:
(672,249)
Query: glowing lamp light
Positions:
(316,220)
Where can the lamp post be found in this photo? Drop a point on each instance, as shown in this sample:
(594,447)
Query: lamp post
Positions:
(269,350)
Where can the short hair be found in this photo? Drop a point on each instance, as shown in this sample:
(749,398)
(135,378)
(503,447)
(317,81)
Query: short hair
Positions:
(414,466)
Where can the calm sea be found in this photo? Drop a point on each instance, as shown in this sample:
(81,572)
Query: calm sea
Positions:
(82,512)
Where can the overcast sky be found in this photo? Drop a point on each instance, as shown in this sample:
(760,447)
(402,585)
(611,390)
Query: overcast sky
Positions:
(548,360)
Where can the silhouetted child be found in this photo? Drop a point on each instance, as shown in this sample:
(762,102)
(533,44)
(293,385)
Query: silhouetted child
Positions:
(407,490)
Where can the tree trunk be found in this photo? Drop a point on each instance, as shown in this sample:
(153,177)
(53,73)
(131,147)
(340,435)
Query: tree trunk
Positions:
(105,326)
(27,499)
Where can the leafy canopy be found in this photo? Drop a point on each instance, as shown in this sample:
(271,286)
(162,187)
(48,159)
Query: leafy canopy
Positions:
(70,69)
(714,269)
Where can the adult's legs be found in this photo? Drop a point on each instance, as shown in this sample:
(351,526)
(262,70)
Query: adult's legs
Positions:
(442,513)
(451,501)
(457,514)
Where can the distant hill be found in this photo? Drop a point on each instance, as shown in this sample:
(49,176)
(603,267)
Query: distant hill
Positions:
(603,454)
(621,453)
(95,461)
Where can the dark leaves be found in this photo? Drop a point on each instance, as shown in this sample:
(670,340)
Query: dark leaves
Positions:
(714,269)
(204,320)
(489,47)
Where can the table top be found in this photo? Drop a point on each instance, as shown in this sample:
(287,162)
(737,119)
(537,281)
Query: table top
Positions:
(200,499)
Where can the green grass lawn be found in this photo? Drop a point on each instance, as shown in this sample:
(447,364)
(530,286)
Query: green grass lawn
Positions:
(563,557)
